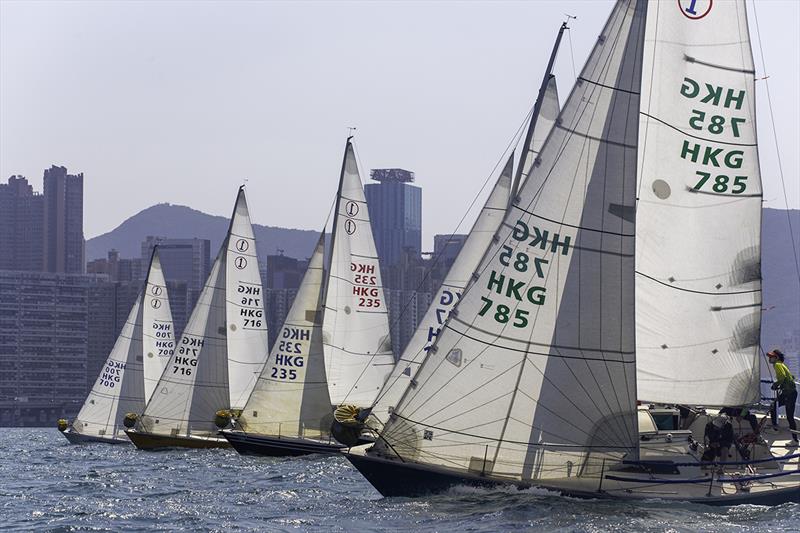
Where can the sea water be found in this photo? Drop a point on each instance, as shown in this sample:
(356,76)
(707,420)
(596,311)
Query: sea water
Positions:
(47,484)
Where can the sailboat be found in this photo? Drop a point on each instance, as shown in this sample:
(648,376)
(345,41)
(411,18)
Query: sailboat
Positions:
(534,378)
(130,373)
(289,411)
(334,348)
(220,354)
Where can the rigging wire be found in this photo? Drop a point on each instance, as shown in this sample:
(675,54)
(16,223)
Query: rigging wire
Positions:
(777,148)
(571,51)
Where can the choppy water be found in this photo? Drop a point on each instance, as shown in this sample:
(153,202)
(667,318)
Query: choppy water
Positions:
(47,484)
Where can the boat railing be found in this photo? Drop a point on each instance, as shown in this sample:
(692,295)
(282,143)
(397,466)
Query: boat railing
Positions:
(780,459)
(705,479)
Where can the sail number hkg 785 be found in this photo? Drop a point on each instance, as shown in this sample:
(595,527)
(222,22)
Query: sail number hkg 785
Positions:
(530,267)
(714,122)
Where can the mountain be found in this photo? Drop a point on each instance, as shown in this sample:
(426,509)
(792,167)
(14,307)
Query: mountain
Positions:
(781,285)
(179,221)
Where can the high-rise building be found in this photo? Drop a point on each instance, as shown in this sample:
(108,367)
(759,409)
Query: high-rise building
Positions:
(64,247)
(186,264)
(277,303)
(281,278)
(21,226)
(44,330)
(395,210)
(186,260)
(117,268)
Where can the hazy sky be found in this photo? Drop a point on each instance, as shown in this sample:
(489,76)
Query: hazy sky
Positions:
(180,101)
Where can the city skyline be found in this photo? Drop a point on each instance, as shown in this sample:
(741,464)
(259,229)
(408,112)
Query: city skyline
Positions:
(241,96)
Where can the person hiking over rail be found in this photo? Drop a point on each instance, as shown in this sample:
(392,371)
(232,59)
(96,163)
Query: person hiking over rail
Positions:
(786,392)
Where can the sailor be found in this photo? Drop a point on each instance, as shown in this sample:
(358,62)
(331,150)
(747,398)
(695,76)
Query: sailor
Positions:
(786,393)
(718,438)
(742,412)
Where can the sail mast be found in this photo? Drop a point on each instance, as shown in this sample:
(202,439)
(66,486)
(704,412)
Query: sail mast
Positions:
(326,281)
(535,115)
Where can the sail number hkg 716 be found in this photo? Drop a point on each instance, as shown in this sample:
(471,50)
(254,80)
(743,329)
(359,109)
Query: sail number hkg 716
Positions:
(186,359)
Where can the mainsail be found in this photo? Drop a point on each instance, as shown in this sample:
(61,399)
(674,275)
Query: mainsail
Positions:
(291,396)
(355,330)
(141,351)
(223,347)
(698,282)
(534,372)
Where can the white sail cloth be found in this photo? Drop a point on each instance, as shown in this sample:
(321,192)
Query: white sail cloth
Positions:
(698,283)
(291,396)
(141,351)
(534,372)
(446,297)
(223,347)
(355,331)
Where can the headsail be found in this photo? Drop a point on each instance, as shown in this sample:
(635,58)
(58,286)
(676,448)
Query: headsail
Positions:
(221,345)
(698,282)
(355,328)
(534,371)
(140,352)
(291,397)
(158,336)
(449,293)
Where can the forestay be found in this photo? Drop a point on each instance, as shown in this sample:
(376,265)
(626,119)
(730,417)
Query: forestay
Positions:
(449,293)
(221,344)
(534,373)
(358,355)
(140,352)
(291,396)
(698,282)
